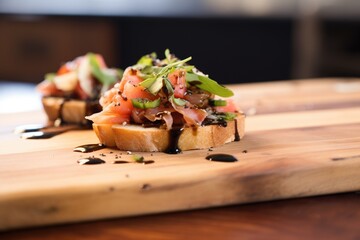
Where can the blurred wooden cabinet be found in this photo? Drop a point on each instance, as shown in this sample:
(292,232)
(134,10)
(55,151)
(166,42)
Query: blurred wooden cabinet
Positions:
(31,47)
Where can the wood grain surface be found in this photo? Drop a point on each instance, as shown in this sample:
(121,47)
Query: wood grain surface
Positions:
(329,217)
(302,139)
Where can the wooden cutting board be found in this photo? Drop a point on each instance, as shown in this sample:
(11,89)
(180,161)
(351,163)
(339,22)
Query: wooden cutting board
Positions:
(302,139)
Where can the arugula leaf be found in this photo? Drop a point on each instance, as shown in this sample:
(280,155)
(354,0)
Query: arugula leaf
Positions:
(148,82)
(147,59)
(156,86)
(156,81)
(208,84)
(105,79)
(174,64)
(188,68)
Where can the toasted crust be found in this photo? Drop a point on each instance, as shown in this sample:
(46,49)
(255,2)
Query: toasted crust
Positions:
(137,138)
(69,110)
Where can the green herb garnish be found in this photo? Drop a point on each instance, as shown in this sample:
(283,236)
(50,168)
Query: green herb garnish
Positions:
(228,116)
(106,79)
(155,82)
(145,103)
(147,60)
(155,77)
(169,87)
(217,103)
(208,84)
(138,158)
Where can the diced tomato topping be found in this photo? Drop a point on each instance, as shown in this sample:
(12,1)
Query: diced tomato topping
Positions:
(130,88)
(178,81)
(230,107)
(63,69)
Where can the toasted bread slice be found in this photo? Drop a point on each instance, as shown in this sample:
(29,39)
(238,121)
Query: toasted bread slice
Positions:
(69,110)
(137,138)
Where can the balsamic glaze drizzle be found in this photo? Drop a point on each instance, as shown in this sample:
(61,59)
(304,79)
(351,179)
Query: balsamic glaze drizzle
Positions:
(90,161)
(237,136)
(145,162)
(221,158)
(174,136)
(39,135)
(89,148)
(120,162)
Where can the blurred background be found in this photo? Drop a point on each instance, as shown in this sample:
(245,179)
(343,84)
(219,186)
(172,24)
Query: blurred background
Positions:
(233,41)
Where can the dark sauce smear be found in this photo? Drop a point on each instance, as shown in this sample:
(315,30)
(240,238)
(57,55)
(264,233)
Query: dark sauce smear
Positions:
(39,135)
(143,162)
(221,158)
(90,161)
(47,132)
(148,162)
(89,148)
(120,162)
(175,134)
(220,122)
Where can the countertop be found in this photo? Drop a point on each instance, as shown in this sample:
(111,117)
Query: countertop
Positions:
(335,216)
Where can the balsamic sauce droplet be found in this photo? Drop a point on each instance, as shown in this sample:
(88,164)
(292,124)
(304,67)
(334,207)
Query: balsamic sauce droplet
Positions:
(39,135)
(90,161)
(174,135)
(89,148)
(221,158)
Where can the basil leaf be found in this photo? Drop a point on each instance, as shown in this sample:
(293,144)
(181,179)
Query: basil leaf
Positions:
(208,84)
(104,78)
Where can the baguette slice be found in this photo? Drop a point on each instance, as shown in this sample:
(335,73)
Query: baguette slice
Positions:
(131,137)
(69,110)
